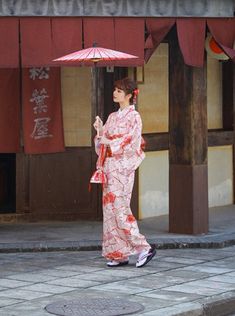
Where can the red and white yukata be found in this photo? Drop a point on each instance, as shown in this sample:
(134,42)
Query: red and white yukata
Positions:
(121,236)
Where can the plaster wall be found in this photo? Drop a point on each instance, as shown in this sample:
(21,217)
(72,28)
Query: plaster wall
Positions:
(220,172)
(76,104)
(214,93)
(154,182)
(153,97)
(154,185)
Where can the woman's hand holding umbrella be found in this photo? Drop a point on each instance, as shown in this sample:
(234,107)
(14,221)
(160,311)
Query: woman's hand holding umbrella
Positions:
(98,125)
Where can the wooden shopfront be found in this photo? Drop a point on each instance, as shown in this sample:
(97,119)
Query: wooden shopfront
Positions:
(51,180)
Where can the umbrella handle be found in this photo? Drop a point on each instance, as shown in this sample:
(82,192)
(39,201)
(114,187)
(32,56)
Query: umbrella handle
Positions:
(98,120)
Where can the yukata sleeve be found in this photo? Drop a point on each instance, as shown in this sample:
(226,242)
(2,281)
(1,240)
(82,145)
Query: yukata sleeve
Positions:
(130,142)
(97,145)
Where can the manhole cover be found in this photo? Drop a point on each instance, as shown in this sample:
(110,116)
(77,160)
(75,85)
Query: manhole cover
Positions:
(94,307)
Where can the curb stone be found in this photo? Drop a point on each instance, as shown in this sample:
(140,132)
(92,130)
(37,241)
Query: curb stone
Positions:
(94,245)
(218,305)
(183,309)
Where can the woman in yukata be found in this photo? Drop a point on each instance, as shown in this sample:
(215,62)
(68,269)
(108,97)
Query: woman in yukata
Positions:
(121,138)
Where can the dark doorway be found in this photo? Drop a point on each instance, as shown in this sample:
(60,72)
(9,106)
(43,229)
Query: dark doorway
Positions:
(7,183)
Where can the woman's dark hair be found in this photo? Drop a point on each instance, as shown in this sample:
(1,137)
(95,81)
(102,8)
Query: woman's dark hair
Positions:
(129,86)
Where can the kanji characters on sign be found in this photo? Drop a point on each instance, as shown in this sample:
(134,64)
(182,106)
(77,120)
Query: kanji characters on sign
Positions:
(42,113)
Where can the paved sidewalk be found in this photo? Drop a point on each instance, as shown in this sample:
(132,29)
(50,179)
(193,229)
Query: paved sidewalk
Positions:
(85,235)
(182,282)
(188,281)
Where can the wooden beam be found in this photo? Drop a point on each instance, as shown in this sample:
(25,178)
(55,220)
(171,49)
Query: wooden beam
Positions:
(160,141)
(233,100)
(227,95)
(188,174)
(156,141)
(220,138)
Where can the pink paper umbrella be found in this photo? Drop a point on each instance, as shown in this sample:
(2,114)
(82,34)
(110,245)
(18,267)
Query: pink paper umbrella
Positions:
(94,55)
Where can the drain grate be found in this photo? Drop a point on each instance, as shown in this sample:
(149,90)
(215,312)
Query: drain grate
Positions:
(94,307)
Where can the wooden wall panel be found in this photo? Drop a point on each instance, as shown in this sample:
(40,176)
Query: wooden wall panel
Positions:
(59,184)
(22,183)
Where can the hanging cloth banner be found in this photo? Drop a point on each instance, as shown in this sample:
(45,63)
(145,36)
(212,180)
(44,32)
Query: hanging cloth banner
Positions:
(157,29)
(36,42)
(223,31)
(42,112)
(9,42)
(9,111)
(191,37)
(133,43)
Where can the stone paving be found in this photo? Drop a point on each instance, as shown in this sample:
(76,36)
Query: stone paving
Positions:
(177,282)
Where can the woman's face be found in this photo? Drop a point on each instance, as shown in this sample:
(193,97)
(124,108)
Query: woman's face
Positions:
(119,96)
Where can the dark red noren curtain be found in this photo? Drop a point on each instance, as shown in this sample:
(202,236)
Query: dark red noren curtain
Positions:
(42,112)
(191,37)
(129,38)
(66,35)
(99,31)
(36,42)
(9,42)
(122,34)
(157,29)
(9,111)
(223,31)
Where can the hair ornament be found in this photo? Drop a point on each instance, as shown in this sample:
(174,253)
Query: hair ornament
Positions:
(136,92)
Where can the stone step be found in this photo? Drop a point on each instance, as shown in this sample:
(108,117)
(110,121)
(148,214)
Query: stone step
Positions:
(13,218)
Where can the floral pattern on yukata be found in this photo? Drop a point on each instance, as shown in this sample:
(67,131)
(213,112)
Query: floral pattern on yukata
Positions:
(121,236)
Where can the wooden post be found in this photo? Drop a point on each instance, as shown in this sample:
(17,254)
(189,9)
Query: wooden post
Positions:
(227,95)
(233,104)
(97,108)
(188,179)
(228,104)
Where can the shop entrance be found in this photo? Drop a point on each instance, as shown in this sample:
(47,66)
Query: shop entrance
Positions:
(7,183)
